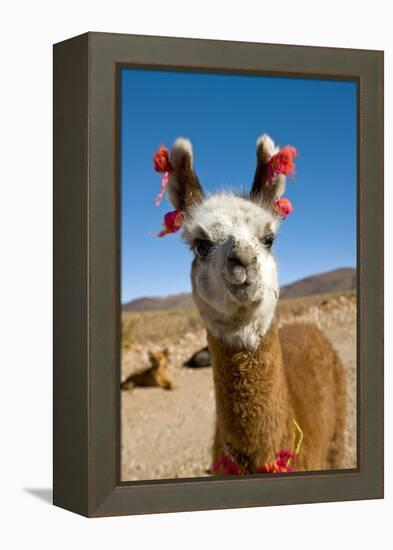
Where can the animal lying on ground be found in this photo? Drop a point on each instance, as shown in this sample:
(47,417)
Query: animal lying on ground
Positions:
(155,375)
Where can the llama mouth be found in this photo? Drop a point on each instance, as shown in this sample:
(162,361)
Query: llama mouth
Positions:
(246,292)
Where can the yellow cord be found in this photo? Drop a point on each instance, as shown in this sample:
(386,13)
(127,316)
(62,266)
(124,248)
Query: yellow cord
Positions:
(299,443)
(300,440)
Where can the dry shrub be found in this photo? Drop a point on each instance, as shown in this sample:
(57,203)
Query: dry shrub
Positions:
(153,326)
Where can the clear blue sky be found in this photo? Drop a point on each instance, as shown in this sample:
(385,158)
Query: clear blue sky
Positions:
(223,115)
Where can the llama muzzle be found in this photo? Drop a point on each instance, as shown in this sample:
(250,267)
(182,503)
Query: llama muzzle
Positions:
(241,272)
(241,265)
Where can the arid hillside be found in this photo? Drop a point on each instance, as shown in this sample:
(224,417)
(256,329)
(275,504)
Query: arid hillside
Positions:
(338,280)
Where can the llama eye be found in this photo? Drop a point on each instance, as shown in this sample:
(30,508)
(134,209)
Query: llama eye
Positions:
(203,248)
(267,241)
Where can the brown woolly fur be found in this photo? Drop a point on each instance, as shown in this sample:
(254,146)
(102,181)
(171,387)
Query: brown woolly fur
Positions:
(294,374)
(155,375)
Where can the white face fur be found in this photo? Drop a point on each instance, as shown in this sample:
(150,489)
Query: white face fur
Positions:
(234,273)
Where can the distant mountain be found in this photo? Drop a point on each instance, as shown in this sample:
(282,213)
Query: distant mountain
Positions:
(176,301)
(331,281)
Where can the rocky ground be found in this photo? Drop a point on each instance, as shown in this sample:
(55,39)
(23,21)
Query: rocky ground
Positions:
(168,434)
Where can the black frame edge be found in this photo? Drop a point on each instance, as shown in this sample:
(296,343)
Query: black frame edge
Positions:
(70,274)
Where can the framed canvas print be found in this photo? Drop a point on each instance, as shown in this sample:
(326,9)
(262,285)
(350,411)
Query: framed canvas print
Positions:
(218,274)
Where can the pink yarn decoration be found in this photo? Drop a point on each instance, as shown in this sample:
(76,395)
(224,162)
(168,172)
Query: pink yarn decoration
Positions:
(283,206)
(281,163)
(172,222)
(163,165)
(229,467)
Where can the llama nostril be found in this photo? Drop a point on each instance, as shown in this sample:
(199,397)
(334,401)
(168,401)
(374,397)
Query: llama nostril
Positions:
(237,274)
(241,257)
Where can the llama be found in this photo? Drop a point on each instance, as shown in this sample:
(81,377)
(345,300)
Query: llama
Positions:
(270,384)
(155,375)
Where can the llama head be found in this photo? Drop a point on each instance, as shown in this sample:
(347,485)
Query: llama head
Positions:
(234,272)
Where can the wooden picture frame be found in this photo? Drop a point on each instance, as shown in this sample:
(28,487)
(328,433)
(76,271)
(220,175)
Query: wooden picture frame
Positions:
(86,410)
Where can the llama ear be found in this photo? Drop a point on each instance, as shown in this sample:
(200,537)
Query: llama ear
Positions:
(184,189)
(263,190)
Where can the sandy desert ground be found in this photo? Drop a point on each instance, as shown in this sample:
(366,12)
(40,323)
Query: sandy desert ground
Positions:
(168,434)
